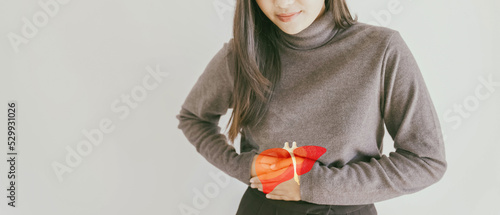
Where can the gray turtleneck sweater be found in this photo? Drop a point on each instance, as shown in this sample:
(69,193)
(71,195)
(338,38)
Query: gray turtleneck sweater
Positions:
(338,89)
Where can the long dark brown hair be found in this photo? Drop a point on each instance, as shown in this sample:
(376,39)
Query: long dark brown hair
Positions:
(257,62)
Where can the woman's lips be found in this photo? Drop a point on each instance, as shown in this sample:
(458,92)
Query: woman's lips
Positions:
(287,17)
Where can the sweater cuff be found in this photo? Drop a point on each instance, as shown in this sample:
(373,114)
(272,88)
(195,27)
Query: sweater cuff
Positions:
(243,170)
(308,184)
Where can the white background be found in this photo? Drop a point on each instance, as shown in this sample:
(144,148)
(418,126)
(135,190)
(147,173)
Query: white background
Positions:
(88,54)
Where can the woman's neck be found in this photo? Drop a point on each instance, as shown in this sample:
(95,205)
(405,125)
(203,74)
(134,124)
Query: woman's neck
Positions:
(321,31)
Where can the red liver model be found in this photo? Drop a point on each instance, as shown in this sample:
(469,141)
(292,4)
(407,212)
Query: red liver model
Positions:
(288,163)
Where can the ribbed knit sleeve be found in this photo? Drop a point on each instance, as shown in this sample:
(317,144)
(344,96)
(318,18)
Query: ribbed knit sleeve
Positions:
(411,120)
(199,116)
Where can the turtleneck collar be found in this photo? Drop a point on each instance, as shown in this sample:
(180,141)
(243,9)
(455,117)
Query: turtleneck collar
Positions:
(315,35)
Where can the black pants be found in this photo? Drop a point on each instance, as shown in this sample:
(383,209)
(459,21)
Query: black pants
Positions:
(254,202)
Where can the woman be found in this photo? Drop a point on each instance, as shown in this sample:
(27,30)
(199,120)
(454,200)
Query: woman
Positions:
(306,71)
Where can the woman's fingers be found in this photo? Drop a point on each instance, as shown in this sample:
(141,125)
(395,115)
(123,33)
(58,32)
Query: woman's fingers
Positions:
(274,163)
(255,180)
(269,175)
(255,183)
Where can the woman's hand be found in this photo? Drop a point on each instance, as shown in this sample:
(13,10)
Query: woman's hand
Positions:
(288,190)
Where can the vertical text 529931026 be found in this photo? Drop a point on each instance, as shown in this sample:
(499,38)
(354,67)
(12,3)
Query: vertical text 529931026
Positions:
(11,153)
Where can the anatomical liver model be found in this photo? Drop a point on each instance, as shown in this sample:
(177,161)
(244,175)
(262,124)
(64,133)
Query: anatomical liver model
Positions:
(276,165)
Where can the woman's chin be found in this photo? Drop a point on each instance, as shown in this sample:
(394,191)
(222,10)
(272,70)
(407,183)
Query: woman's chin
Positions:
(291,30)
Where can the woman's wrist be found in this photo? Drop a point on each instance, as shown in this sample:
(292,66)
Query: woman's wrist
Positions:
(253,172)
